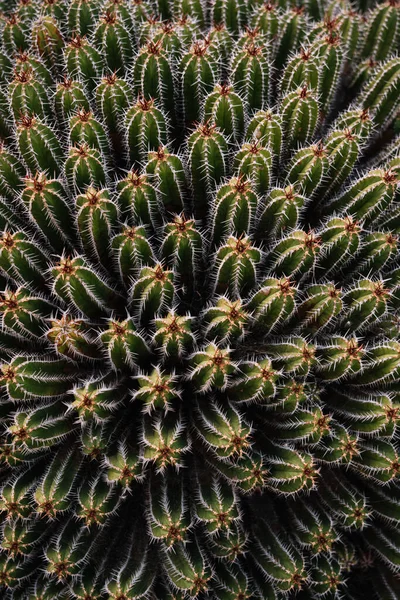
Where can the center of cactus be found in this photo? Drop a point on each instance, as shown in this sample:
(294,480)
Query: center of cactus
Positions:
(87,401)
(9,374)
(252,49)
(4,578)
(241,185)
(77,42)
(353,349)
(200,48)
(111,79)
(199,583)
(174,532)
(145,104)
(61,569)
(297,580)
(154,48)
(333,582)
(174,327)
(254,147)
(159,273)
(268,7)
(241,246)
(225,89)
(82,150)
(219,359)
(319,150)
(118,329)
(84,115)
(395,466)
(93,197)
(9,301)
(8,240)
(322,541)
(110,18)
(333,39)
(379,290)
(334,293)
(351,226)
(21,434)
(390,177)
(207,130)
(234,313)
(12,20)
(12,507)
(24,76)
(14,548)
(312,241)
(239,443)
(39,182)
(304,92)
(66,83)
(26,121)
(66,267)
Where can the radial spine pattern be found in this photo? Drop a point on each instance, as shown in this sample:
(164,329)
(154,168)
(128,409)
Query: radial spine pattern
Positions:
(199,299)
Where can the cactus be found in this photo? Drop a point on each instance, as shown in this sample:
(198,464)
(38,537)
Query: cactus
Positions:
(198,73)
(25,90)
(39,145)
(199,299)
(113,40)
(250,74)
(225,108)
(146,129)
(153,77)
(113,96)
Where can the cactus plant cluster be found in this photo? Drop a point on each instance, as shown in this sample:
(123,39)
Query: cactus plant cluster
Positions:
(200,294)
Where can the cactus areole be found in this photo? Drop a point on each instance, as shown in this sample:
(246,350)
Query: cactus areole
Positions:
(199,299)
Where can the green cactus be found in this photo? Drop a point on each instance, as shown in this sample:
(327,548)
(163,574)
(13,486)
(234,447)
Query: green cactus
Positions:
(208,163)
(168,173)
(153,76)
(250,75)
(300,113)
(146,129)
(113,40)
(225,108)
(27,93)
(82,16)
(255,162)
(113,96)
(39,145)
(266,128)
(199,299)
(198,73)
(47,203)
(83,61)
(69,97)
(85,167)
(48,41)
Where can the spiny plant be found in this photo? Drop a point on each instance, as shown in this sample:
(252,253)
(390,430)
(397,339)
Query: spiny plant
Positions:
(200,275)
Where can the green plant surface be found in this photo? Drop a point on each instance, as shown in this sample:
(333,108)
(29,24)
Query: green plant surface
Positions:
(199,300)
